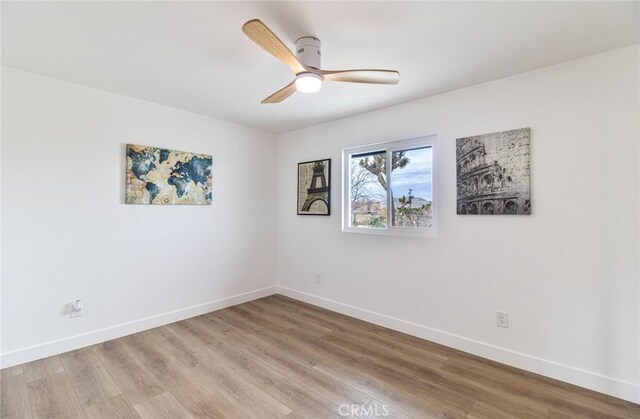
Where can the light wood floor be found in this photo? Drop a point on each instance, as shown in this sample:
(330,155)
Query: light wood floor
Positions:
(277,357)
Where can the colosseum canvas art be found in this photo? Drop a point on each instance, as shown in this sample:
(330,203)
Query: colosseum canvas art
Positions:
(493,173)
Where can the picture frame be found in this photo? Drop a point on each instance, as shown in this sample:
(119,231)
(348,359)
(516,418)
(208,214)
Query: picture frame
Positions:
(161,176)
(493,173)
(314,187)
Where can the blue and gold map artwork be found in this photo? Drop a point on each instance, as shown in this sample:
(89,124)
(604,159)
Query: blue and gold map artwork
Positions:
(165,177)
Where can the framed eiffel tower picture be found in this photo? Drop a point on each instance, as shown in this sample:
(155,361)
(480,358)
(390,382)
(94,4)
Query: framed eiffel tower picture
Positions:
(314,187)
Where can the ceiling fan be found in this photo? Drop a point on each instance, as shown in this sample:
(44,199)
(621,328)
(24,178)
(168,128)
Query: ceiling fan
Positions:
(306,64)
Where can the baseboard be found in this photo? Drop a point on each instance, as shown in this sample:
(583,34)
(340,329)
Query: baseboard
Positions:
(59,346)
(587,379)
(583,378)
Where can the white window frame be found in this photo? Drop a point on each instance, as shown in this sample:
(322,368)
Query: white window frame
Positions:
(390,147)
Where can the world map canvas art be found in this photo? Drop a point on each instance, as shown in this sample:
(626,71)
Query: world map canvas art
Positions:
(167,177)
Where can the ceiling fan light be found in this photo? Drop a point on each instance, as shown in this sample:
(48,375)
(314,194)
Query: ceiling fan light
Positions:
(308,82)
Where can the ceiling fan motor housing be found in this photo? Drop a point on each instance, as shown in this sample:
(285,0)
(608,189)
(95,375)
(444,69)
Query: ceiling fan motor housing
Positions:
(308,51)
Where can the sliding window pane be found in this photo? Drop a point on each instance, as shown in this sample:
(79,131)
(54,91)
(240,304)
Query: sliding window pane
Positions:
(411,188)
(368,190)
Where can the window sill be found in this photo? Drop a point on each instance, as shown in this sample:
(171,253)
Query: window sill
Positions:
(396,231)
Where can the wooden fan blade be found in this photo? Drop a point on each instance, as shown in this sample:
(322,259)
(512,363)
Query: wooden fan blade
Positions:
(265,38)
(361,76)
(282,94)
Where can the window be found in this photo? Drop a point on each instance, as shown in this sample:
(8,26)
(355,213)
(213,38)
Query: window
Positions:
(395,199)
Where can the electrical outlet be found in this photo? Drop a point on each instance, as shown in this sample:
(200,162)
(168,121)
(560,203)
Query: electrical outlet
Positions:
(502,319)
(318,278)
(76,309)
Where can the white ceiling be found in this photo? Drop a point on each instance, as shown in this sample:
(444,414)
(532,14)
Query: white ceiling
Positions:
(194,56)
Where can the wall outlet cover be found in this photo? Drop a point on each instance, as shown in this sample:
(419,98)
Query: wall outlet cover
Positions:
(502,319)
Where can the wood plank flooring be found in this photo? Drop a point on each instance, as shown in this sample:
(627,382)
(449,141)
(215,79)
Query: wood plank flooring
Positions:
(276,358)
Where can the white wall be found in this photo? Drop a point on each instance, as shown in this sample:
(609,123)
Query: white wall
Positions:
(67,234)
(1,70)
(567,275)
